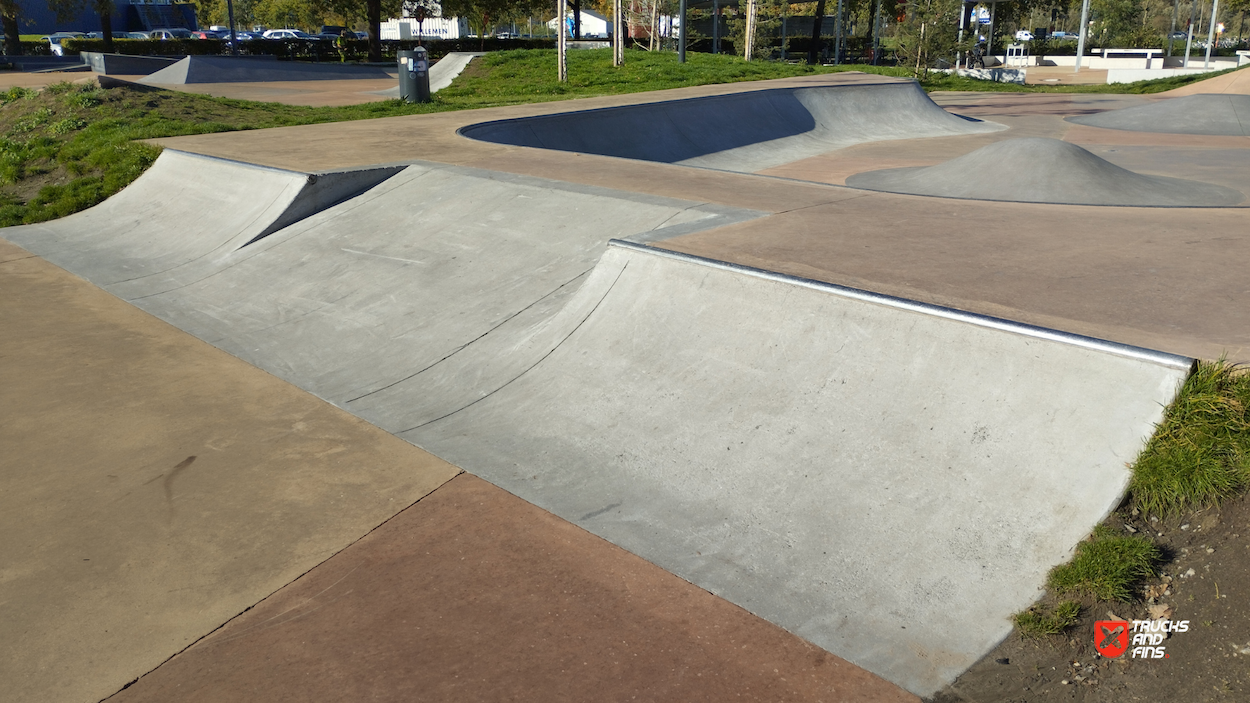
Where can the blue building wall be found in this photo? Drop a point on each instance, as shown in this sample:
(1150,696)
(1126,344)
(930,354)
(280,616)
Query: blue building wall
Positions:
(38,19)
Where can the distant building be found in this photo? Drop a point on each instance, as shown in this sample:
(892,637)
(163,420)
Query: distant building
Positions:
(594,25)
(431,28)
(128,16)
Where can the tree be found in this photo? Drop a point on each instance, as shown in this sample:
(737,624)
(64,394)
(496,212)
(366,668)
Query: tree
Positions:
(67,10)
(11,13)
(814,48)
(484,14)
(929,34)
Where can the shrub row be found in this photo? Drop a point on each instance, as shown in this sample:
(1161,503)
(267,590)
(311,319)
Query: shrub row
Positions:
(304,49)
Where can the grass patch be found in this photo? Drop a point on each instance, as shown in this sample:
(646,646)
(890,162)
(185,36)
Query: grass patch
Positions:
(1107,566)
(1200,453)
(1035,622)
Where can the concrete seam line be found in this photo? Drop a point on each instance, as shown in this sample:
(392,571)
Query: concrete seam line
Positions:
(236,162)
(1164,359)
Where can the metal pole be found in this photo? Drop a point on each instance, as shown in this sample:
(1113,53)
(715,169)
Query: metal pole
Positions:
(1176,6)
(1080,43)
(989,46)
(681,33)
(715,26)
(784,44)
(234,41)
(876,33)
(1215,10)
(562,44)
(1189,42)
(837,44)
(963,16)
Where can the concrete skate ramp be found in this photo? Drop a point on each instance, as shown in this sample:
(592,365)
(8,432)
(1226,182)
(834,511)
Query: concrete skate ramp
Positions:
(396,305)
(1207,114)
(746,132)
(1041,170)
(442,73)
(1235,82)
(230,69)
(180,218)
(888,480)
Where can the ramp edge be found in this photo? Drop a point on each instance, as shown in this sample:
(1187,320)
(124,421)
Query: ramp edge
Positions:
(1164,359)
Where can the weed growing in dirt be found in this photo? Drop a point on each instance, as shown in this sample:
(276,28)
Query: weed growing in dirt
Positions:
(1200,453)
(1035,622)
(1108,566)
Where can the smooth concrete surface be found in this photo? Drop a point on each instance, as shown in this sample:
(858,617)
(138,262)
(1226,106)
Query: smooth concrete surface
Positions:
(394,304)
(154,487)
(443,72)
(1225,114)
(1235,82)
(889,484)
(747,131)
(475,595)
(235,69)
(178,221)
(1044,170)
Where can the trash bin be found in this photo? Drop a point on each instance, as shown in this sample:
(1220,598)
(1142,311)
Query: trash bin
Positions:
(414,75)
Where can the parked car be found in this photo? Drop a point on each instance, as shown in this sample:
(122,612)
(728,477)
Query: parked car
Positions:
(287,34)
(170,33)
(1024,35)
(54,41)
(209,34)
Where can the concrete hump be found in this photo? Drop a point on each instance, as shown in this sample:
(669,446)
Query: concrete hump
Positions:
(125,65)
(394,304)
(746,132)
(230,69)
(1041,170)
(178,220)
(442,73)
(1226,114)
(889,480)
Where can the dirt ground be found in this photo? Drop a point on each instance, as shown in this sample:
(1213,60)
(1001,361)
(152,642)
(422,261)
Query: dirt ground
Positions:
(1205,580)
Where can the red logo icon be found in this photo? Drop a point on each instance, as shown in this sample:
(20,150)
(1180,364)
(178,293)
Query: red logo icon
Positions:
(1111,637)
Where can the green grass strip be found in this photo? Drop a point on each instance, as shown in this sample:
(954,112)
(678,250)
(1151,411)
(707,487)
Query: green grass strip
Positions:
(1107,566)
(1200,453)
(1034,622)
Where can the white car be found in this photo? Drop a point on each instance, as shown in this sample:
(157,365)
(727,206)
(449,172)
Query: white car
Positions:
(286,34)
(1024,35)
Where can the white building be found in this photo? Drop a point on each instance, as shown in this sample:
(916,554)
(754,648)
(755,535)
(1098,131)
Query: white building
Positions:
(431,28)
(594,25)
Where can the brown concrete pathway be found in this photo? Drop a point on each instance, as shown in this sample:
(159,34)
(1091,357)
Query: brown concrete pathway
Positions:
(475,595)
(1237,82)
(152,487)
(1168,279)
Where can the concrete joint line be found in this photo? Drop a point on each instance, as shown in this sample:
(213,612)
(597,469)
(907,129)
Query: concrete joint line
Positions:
(1163,359)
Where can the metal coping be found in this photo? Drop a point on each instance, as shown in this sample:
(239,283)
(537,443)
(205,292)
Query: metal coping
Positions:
(1100,345)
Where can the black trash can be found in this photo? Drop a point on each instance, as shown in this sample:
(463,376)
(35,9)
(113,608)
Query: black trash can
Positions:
(414,75)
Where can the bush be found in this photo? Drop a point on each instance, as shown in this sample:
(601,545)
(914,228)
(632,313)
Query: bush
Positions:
(149,47)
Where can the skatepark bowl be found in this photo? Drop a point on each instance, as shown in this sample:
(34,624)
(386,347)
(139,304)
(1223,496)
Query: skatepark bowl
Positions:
(886,477)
